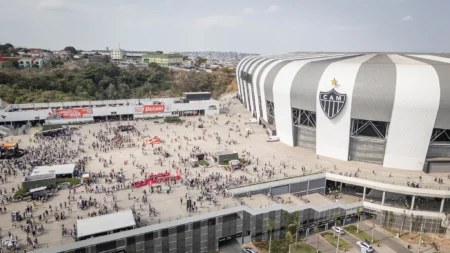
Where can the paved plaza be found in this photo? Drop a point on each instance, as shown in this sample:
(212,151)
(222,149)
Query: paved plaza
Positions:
(273,160)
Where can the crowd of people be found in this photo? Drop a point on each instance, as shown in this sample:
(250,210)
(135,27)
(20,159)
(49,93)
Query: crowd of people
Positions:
(117,158)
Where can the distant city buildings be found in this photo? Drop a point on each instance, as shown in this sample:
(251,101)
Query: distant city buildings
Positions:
(224,59)
(163,59)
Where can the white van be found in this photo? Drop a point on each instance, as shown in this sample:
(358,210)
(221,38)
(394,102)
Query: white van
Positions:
(273,138)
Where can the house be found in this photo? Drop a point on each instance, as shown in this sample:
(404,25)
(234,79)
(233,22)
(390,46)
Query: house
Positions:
(62,54)
(31,63)
(35,52)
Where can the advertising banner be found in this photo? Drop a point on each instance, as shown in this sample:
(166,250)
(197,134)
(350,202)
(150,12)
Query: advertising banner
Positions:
(149,109)
(70,113)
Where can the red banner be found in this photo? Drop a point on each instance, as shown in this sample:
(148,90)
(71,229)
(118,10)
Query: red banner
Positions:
(158,178)
(154,108)
(70,113)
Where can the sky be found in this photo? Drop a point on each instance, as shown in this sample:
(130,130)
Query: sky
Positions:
(249,26)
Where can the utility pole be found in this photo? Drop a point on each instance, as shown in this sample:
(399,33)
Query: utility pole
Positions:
(420,239)
(373,227)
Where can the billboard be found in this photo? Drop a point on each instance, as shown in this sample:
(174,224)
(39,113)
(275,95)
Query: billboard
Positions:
(70,113)
(145,109)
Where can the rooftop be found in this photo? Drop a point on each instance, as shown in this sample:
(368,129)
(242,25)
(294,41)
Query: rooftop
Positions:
(108,222)
(55,169)
(38,177)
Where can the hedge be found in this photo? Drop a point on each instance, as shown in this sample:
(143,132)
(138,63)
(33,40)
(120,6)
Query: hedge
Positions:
(72,181)
(22,192)
(203,162)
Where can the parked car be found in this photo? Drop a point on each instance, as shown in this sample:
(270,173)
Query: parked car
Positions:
(338,230)
(249,250)
(272,138)
(365,245)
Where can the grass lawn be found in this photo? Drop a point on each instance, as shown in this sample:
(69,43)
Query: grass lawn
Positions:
(362,236)
(282,246)
(329,237)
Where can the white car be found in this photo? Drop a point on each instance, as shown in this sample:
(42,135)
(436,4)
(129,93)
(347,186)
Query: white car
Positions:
(249,250)
(365,245)
(338,230)
(272,138)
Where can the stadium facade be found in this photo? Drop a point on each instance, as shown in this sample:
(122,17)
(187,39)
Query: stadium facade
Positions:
(388,109)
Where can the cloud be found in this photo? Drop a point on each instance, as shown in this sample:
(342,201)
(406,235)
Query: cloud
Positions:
(273,8)
(407,18)
(217,21)
(248,11)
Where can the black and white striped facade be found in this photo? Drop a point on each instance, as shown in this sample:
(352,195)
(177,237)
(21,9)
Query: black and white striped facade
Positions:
(396,113)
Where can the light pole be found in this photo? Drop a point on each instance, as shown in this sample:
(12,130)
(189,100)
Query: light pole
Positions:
(337,245)
(420,239)
(373,228)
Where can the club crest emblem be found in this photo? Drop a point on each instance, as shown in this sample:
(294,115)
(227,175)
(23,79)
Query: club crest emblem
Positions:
(332,102)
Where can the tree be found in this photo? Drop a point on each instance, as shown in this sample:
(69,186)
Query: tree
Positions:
(336,216)
(199,61)
(403,222)
(358,214)
(316,230)
(159,52)
(12,64)
(270,226)
(185,58)
(290,238)
(287,220)
(410,225)
(296,223)
(70,49)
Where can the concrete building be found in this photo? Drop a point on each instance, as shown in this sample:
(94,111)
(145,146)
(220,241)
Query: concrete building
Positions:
(118,54)
(209,231)
(163,59)
(366,107)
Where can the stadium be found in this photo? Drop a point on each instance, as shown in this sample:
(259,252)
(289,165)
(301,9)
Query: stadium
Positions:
(387,109)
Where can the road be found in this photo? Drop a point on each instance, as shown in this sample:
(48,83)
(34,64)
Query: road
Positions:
(231,246)
(384,238)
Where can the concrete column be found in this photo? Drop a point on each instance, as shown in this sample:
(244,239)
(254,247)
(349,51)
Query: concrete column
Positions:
(412,202)
(289,188)
(340,187)
(442,205)
(307,189)
(364,193)
(384,197)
